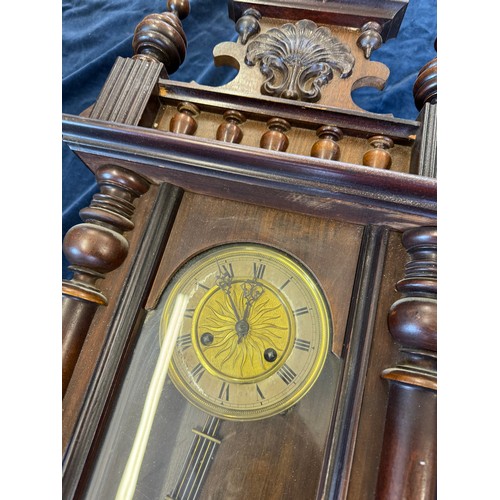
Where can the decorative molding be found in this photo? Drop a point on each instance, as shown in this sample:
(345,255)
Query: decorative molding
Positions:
(359,194)
(311,115)
(298,59)
(358,343)
(387,13)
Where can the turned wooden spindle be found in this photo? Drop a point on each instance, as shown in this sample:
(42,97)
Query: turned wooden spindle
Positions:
(326,147)
(161,37)
(183,121)
(409,445)
(275,138)
(370,38)
(230,130)
(378,156)
(93,249)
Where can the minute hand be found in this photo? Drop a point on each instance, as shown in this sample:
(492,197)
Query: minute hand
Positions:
(224,282)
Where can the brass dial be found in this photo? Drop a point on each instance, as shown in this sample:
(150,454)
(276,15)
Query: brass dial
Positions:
(254,334)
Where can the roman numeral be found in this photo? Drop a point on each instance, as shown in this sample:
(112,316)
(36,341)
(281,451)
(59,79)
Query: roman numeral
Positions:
(202,286)
(286,374)
(285,284)
(300,311)
(228,270)
(184,341)
(303,345)
(224,391)
(197,372)
(258,271)
(259,392)
(189,313)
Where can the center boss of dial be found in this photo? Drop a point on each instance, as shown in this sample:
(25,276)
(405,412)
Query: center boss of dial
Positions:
(243,330)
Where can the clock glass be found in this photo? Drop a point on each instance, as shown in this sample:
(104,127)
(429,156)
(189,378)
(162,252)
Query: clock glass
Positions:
(231,388)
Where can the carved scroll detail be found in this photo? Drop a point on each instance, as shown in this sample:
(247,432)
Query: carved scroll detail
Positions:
(298,59)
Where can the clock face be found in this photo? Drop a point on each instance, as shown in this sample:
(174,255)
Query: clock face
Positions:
(254,333)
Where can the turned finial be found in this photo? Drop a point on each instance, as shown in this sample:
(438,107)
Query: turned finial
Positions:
(179,7)
(248,25)
(160,37)
(425,87)
(370,38)
(326,147)
(97,246)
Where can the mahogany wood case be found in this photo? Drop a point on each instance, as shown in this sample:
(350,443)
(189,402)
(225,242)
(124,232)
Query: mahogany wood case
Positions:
(282,158)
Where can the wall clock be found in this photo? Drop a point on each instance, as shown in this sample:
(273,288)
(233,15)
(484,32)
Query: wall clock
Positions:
(252,307)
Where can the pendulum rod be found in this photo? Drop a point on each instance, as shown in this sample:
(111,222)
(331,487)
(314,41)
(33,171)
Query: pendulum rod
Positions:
(197,461)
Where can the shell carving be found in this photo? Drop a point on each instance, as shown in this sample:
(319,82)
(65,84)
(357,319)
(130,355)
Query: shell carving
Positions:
(298,59)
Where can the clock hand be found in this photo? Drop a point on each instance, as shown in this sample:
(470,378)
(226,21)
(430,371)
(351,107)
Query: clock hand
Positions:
(252,290)
(224,281)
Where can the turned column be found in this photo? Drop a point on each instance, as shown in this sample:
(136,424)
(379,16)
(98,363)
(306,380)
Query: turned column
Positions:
(408,461)
(93,249)
(98,246)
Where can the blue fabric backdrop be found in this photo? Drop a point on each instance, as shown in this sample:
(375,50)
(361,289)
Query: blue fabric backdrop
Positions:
(96,32)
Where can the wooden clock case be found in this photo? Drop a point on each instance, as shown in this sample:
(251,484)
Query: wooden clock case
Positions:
(182,168)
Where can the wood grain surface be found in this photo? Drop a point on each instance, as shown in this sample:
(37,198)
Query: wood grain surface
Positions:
(328,248)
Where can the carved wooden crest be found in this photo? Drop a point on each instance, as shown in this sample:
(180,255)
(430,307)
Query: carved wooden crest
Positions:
(298,59)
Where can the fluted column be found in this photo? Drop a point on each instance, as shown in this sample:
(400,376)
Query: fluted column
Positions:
(424,157)
(408,462)
(159,44)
